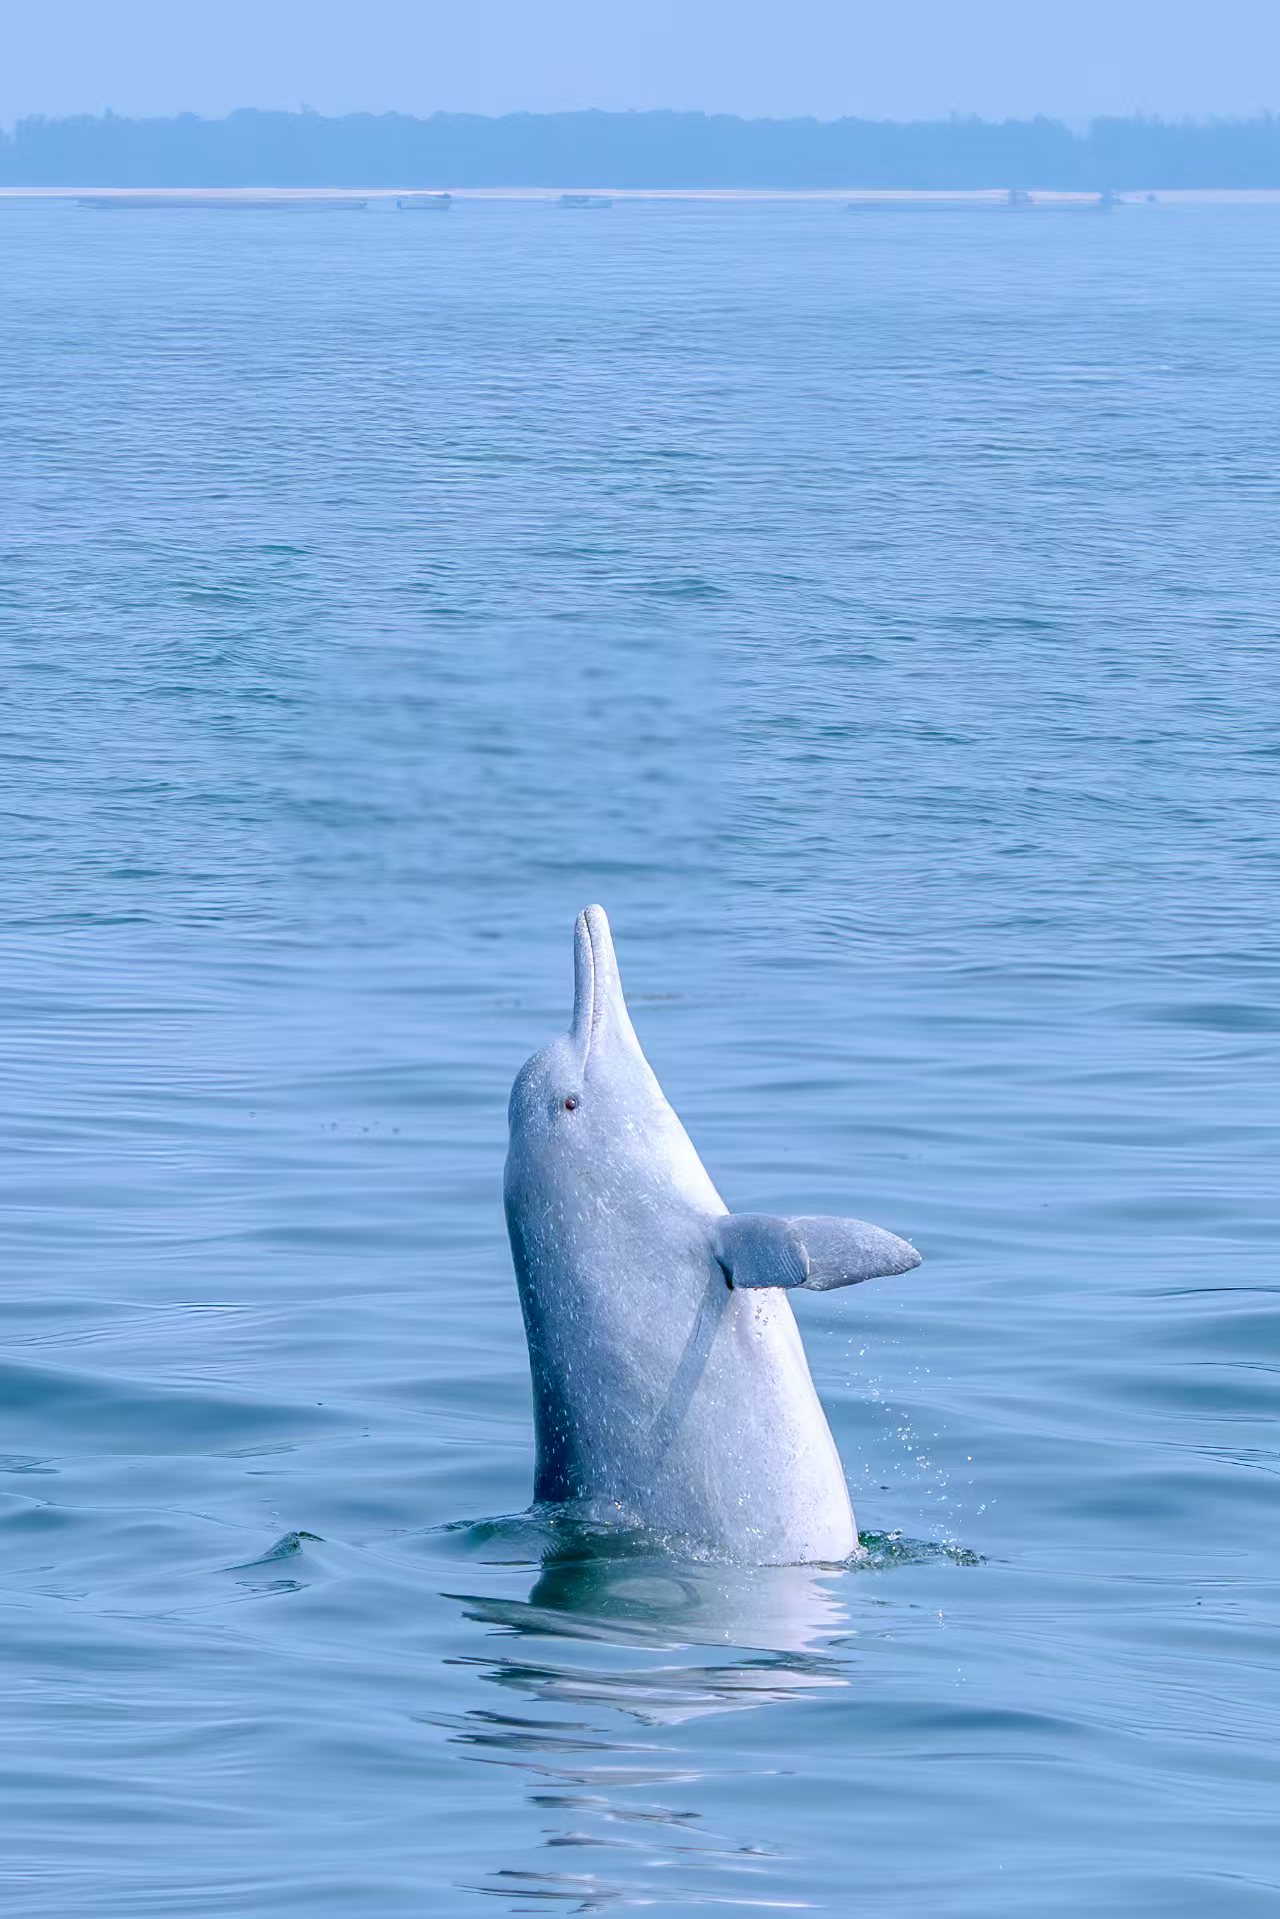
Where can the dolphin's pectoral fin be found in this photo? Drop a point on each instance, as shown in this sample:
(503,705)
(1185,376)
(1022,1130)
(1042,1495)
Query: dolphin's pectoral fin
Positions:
(843,1251)
(757,1249)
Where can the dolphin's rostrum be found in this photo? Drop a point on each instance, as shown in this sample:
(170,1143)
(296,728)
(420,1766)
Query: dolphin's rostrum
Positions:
(671,1389)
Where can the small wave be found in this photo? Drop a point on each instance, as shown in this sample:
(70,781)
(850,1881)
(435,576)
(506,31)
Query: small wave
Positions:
(574,1535)
(880,1551)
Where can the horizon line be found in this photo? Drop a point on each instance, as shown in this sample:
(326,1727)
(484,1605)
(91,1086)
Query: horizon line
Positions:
(1073,122)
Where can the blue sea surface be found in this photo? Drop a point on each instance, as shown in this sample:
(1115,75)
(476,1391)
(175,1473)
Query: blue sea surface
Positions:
(880,618)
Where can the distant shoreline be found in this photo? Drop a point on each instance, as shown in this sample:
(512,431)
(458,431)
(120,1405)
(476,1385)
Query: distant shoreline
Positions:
(1046,196)
(649,153)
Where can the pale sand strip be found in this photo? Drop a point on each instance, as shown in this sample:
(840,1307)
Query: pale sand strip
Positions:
(1182,196)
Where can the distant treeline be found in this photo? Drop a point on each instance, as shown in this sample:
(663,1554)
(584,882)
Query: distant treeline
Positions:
(252,148)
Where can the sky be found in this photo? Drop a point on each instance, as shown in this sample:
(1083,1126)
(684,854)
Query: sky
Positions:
(894,59)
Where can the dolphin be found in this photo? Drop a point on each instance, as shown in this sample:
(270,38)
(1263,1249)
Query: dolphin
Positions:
(671,1390)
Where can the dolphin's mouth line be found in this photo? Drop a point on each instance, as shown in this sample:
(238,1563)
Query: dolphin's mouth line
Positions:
(591,995)
(587,1011)
(598,1004)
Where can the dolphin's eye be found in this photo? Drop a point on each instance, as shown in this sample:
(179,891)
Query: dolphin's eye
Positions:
(571,1104)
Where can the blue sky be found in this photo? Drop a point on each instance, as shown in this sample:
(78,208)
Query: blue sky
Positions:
(913,58)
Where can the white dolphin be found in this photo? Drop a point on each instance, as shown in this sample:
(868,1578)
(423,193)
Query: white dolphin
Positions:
(671,1388)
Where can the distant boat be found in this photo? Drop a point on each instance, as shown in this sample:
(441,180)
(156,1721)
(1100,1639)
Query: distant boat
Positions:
(585,200)
(221,202)
(425,202)
(1093,203)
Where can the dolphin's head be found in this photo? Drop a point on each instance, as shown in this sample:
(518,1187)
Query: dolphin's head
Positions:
(589,1122)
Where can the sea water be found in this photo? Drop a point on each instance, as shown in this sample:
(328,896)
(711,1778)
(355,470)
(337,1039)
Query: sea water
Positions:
(880,619)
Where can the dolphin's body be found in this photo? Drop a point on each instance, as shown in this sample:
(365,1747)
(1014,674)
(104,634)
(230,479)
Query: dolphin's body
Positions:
(670,1385)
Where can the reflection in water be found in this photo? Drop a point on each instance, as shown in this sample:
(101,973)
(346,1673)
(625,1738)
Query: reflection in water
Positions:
(616,1648)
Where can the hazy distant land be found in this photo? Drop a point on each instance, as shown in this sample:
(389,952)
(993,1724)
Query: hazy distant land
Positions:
(640,152)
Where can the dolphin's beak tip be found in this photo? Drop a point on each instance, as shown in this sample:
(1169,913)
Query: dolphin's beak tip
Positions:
(594,927)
